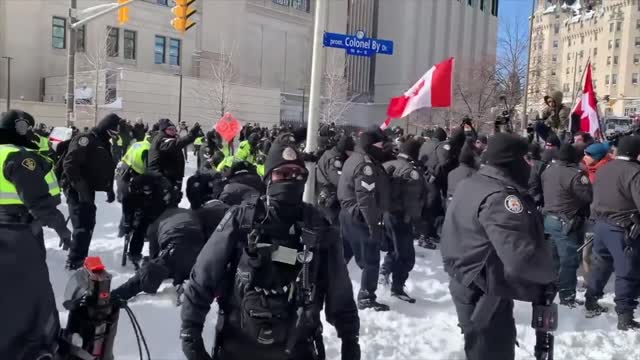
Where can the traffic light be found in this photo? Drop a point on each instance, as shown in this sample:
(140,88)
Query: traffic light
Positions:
(123,13)
(183,12)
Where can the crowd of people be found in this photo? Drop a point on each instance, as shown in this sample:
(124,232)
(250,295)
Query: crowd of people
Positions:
(512,217)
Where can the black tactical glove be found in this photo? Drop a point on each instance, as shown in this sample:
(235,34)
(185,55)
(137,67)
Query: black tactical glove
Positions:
(193,346)
(111,196)
(350,349)
(65,237)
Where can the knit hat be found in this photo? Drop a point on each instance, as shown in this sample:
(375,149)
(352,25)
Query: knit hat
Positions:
(281,154)
(346,143)
(553,140)
(629,146)
(163,124)
(370,137)
(597,150)
(410,147)
(109,122)
(568,154)
(504,148)
(440,134)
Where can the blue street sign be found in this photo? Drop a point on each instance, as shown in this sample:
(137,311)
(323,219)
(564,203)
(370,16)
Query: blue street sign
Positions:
(358,44)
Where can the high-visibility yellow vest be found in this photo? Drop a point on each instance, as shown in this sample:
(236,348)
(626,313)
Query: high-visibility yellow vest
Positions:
(199,141)
(226,149)
(244,152)
(134,158)
(260,170)
(43,144)
(225,164)
(8,193)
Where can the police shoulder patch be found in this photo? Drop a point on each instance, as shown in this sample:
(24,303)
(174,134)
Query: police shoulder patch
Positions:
(289,154)
(83,141)
(584,180)
(446,147)
(337,164)
(414,175)
(29,164)
(513,204)
(367,170)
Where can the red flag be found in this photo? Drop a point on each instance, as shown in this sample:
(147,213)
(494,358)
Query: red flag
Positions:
(587,107)
(433,90)
(228,127)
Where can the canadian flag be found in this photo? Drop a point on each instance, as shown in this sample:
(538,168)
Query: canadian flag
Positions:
(433,90)
(587,107)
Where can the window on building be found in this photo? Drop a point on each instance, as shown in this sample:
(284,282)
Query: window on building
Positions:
(610,44)
(163,2)
(59,33)
(554,58)
(494,7)
(159,50)
(569,56)
(634,78)
(637,42)
(595,36)
(614,79)
(608,60)
(617,43)
(619,26)
(555,44)
(174,52)
(129,45)
(556,28)
(482,5)
(569,42)
(595,51)
(595,83)
(112,41)
(581,39)
(568,71)
(637,24)
(611,27)
(565,87)
(80,36)
(593,67)
(615,60)
(636,59)
(606,79)
(581,53)
(553,72)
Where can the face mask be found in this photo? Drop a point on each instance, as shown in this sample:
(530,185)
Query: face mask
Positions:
(519,172)
(287,197)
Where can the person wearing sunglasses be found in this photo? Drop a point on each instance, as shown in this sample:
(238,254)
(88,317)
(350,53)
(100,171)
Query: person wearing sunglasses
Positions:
(273,263)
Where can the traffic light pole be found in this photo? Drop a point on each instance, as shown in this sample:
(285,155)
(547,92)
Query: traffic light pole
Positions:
(71,64)
(180,101)
(317,66)
(9,58)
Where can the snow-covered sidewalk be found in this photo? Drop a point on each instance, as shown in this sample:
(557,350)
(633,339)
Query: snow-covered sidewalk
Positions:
(426,330)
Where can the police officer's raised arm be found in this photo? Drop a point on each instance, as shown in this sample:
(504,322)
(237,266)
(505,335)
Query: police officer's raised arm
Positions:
(517,237)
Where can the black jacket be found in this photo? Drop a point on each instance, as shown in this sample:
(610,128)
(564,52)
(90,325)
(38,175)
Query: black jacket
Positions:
(493,237)
(616,194)
(89,163)
(458,174)
(166,157)
(567,190)
(176,226)
(215,273)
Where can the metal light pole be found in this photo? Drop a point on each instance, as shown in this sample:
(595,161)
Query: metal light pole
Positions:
(303,91)
(317,66)
(525,118)
(9,58)
(180,100)
(71,63)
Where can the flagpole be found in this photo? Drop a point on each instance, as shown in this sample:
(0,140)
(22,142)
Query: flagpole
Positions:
(573,100)
(525,118)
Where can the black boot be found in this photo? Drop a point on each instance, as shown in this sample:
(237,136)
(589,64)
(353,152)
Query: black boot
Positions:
(73,265)
(402,295)
(135,260)
(593,308)
(426,243)
(626,322)
(383,279)
(569,300)
(368,301)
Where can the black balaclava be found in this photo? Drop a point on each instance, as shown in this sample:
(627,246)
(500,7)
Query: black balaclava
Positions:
(506,152)
(253,139)
(468,154)
(284,196)
(108,126)
(439,134)
(568,153)
(370,137)
(344,144)
(410,148)
(629,146)
(15,128)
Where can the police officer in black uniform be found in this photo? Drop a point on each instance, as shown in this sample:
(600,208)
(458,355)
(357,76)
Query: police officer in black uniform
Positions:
(175,240)
(468,165)
(274,263)
(204,186)
(242,183)
(538,166)
(615,208)
(408,194)
(328,174)
(88,167)
(210,154)
(428,147)
(166,156)
(29,197)
(494,250)
(364,194)
(568,195)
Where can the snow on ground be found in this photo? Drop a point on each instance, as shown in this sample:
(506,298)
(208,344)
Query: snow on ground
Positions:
(426,330)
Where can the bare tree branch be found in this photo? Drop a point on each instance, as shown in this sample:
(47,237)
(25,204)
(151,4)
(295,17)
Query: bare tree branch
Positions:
(335,101)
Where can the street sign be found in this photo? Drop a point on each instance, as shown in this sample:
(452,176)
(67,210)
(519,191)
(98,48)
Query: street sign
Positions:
(358,44)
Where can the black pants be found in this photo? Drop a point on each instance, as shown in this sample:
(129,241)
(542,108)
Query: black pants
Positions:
(401,258)
(83,220)
(365,250)
(174,263)
(28,311)
(495,340)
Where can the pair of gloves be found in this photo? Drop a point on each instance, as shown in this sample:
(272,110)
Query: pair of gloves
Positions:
(193,346)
